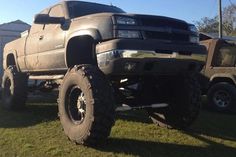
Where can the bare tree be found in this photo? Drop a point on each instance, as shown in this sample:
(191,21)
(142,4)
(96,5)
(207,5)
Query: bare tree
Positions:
(210,25)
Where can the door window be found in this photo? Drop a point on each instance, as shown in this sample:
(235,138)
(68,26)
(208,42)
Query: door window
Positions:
(35,28)
(225,56)
(56,11)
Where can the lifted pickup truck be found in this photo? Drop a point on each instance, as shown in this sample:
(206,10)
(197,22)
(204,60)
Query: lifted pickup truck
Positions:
(219,74)
(107,59)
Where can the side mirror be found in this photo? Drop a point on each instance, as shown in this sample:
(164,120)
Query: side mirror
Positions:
(46,19)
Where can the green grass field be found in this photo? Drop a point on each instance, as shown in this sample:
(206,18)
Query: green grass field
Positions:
(37,132)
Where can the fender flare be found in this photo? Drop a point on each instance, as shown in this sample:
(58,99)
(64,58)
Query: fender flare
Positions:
(225,76)
(5,54)
(93,33)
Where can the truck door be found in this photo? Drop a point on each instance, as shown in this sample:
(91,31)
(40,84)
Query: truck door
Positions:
(52,44)
(32,45)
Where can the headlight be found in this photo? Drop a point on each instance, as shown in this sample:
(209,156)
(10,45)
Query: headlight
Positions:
(128,34)
(193,28)
(194,39)
(125,20)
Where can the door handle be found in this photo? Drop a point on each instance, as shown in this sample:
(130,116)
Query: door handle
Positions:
(41,37)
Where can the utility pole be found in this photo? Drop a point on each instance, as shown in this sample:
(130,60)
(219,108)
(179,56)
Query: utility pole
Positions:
(220,19)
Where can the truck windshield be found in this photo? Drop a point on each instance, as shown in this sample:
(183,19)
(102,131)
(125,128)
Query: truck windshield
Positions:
(78,8)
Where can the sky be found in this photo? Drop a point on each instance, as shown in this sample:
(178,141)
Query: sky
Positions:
(188,10)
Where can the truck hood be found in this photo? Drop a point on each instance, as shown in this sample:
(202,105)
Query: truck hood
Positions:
(137,16)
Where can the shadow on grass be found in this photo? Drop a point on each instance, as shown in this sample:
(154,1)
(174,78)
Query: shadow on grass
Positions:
(40,107)
(134,116)
(209,123)
(33,114)
(156,149)
(215,125)
(40,97)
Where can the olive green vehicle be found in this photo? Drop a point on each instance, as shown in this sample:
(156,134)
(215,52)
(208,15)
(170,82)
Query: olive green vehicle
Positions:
(219,74)
(105,60)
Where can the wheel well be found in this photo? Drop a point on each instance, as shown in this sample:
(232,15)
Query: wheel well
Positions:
(222,79)
(10,60)
(81,50)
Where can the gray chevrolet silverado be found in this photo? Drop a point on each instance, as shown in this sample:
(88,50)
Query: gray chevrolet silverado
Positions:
(105,60)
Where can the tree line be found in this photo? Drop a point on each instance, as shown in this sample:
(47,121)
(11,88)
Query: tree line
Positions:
(211,25)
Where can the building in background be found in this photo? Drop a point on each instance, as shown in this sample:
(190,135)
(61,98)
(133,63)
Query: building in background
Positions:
(8,32)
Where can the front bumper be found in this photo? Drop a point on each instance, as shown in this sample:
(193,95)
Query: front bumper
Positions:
(170,59)
(149,45)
